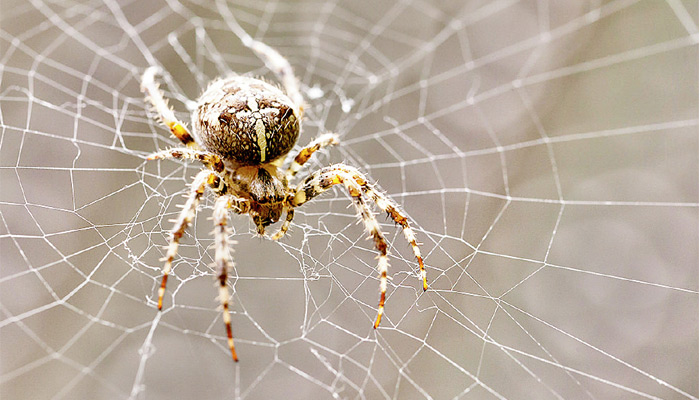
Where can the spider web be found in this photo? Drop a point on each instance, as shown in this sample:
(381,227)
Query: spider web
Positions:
(545,151)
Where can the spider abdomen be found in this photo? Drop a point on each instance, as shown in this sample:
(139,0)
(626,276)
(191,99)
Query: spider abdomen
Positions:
(246,121)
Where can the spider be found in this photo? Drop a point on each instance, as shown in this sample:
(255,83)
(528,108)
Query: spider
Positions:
(243,129)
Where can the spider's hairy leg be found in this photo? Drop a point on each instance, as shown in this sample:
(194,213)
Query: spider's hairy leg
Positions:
(327,139)
(324,179)
(210,160)
(282,69)
(398,215)
(223,259)
(285,226)
(199,184)
(155,96)
(390,207)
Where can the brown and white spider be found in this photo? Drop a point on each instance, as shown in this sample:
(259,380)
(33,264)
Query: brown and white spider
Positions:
(243,127)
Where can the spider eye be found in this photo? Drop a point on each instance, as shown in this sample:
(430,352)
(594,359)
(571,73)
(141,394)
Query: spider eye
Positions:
(225,118)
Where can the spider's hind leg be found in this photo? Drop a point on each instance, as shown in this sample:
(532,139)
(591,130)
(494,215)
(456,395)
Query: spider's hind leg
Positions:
(166,115)
(209,160)
(281,68)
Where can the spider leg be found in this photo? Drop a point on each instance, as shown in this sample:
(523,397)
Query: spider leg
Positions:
(285,225)
(281,68)
(186,215)
(199,184)
(383,202)
(305,154)
(155,96)
(223,259)
(208,159)
(327,139)
(322,180)
(399,216)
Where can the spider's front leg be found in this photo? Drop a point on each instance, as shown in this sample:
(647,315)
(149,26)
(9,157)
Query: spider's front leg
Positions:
(199,184)
(321,181)
(223,257)
(184,218)
(399,216)
(356,183)
(298,162)
(325,140)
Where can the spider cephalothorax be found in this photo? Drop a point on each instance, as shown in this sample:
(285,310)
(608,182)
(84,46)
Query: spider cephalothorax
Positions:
(243,128)
(264,186)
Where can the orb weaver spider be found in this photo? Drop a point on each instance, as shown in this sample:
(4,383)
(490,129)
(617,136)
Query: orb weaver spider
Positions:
(243,129)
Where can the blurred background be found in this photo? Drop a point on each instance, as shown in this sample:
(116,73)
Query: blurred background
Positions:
(547,153)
